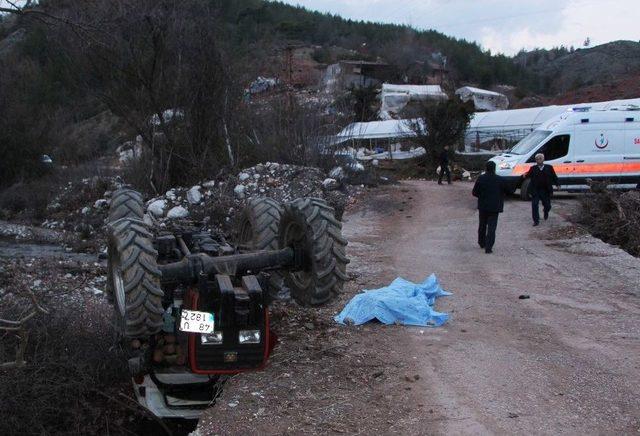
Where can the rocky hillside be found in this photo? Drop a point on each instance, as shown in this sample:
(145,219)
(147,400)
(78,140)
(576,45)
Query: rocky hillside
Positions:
(564,71)
(626,87)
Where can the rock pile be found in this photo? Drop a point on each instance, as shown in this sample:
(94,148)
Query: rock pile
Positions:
(215,202)
(81,207)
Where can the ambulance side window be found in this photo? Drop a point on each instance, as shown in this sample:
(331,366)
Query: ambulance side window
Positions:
(555,148)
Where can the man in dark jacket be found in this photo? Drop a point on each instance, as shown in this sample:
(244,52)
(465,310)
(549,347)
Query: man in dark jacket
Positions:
(542,178)
(490,190)
(444,165)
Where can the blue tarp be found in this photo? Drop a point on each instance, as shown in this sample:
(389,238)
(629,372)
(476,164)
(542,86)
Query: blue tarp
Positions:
(401,302)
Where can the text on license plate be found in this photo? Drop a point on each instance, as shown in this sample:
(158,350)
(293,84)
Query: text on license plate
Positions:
(196,322)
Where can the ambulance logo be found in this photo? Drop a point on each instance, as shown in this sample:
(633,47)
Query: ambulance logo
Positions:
(602,142)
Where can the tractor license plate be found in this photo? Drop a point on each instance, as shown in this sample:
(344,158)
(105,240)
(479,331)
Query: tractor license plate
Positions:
(196,322)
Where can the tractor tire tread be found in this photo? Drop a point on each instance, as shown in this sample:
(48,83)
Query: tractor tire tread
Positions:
(327,245)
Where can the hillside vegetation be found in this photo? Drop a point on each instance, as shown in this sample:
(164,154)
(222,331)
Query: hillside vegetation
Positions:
(563,70)
(80,78)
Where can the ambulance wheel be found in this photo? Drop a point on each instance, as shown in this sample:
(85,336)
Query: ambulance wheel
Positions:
(524,190)
(310,226)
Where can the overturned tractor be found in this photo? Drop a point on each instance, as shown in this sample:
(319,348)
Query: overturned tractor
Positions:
(191,307)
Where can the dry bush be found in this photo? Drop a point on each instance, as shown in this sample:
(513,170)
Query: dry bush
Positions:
(613,217)
(69,359)
(72,378)
(28,200)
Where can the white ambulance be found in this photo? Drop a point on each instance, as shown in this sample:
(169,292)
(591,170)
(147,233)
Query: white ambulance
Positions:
(581,144)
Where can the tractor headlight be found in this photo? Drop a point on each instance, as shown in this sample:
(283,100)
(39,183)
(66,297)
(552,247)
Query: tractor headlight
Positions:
(249,337)
(214,338)
(505,165)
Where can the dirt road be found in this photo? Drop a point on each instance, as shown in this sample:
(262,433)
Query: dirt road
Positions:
(566,360)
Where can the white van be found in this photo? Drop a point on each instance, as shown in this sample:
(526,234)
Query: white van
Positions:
(580,144)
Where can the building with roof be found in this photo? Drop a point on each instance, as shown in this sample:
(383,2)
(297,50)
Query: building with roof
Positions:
(502,129)
(377,131)
(487,130)
(395,98)
(354,73)
(483,99)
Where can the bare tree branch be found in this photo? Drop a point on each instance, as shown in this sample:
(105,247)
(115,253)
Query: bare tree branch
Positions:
(23,334)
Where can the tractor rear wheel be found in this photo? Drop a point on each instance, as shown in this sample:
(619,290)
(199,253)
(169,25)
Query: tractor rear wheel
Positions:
(126,203)
(133,277)
(309,224)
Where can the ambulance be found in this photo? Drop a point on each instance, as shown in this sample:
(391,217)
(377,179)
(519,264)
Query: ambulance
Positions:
(582,145)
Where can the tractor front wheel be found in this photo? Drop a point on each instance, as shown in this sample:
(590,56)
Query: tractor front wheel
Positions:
(258,230)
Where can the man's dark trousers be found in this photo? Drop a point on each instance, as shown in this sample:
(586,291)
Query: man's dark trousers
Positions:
(538,196)
(444,169)
(487,229)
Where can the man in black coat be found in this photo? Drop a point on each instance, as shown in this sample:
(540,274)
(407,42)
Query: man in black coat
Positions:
(542,178)
(444,165)
(490,190)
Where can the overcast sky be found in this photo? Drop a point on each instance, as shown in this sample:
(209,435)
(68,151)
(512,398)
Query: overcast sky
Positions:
(503,26)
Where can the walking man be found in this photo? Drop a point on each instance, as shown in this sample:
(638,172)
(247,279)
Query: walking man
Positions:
(542,178)
(444,165)
(490,190)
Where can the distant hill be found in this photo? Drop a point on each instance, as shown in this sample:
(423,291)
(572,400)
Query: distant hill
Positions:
(256,22)
(563,71)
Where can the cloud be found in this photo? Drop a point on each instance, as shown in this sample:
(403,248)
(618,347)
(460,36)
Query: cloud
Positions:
(601,22)
(502,26)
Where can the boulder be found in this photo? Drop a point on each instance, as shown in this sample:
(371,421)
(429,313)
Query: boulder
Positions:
(101,204)
(330,184)
(193,195)
(239,191)
(157,207)
(170,194)
(178,212)
(243,176)
(209,184)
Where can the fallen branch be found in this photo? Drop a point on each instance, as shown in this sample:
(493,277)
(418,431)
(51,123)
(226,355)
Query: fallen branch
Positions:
(23,334)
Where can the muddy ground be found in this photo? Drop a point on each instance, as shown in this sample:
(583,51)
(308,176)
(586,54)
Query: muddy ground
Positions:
(565,360)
